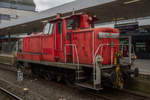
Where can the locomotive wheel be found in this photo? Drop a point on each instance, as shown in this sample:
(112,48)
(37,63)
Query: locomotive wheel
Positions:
(54,73)
(136,72)
(58,78)
(69,82)
(47,77)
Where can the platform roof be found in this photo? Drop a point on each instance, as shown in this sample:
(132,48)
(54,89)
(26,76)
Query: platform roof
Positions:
(25,2)
(106,11)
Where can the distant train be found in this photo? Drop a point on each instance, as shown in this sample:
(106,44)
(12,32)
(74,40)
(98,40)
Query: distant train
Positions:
(71,48)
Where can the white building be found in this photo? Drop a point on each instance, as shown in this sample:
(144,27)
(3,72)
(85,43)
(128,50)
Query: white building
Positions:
(11,10)
(14,9)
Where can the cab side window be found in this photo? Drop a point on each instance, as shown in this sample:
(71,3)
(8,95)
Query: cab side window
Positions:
(69,24)
(60,27)
(73,23)
(49,28)
(19,45)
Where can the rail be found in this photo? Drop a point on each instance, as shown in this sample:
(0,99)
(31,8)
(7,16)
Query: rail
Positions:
(10,94)
(108,94)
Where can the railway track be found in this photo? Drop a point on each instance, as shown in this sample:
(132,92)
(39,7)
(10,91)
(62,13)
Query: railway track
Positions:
(9,94)
(134,93)
(116,94)
(106,94)
(7,67)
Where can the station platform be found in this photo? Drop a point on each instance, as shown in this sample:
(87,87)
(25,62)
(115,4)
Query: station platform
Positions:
(144,68)
(143,65)
(7,59)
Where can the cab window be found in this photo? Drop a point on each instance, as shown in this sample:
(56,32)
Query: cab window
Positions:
(49,28)
(72,23)
(59,27)
(20,45)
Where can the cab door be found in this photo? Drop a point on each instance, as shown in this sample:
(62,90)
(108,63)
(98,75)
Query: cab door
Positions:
(59,42)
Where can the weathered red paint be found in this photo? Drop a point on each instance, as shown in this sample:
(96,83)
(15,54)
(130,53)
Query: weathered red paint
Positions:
(51,47)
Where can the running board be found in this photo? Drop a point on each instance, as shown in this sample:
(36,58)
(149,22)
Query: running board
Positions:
(89,86)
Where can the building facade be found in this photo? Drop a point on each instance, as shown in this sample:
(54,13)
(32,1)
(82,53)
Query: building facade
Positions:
(11,10)
(15,9)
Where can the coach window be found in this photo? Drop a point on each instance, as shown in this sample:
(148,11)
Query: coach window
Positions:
(48,28)
(59,27)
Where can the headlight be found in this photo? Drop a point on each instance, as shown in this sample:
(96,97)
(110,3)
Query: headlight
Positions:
(134,57)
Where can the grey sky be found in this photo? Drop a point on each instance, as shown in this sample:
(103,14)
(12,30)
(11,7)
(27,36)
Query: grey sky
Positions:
(45,4)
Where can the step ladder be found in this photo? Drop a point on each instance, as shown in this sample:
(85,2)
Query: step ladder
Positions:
(80,75)
(96,77)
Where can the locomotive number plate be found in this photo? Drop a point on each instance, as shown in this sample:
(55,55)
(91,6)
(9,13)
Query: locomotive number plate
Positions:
(108,35)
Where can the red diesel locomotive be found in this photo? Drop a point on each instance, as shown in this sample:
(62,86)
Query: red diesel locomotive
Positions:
(70,48)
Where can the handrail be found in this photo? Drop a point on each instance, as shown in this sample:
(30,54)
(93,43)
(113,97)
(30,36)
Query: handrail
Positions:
(102,45)
(76,52)
(95,55)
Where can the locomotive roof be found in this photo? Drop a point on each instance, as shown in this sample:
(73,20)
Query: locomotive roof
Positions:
(71,16)
(65,17)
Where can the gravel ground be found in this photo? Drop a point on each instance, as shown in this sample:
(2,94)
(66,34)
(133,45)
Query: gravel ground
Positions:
(40,89)
(4,97)
(46,89)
